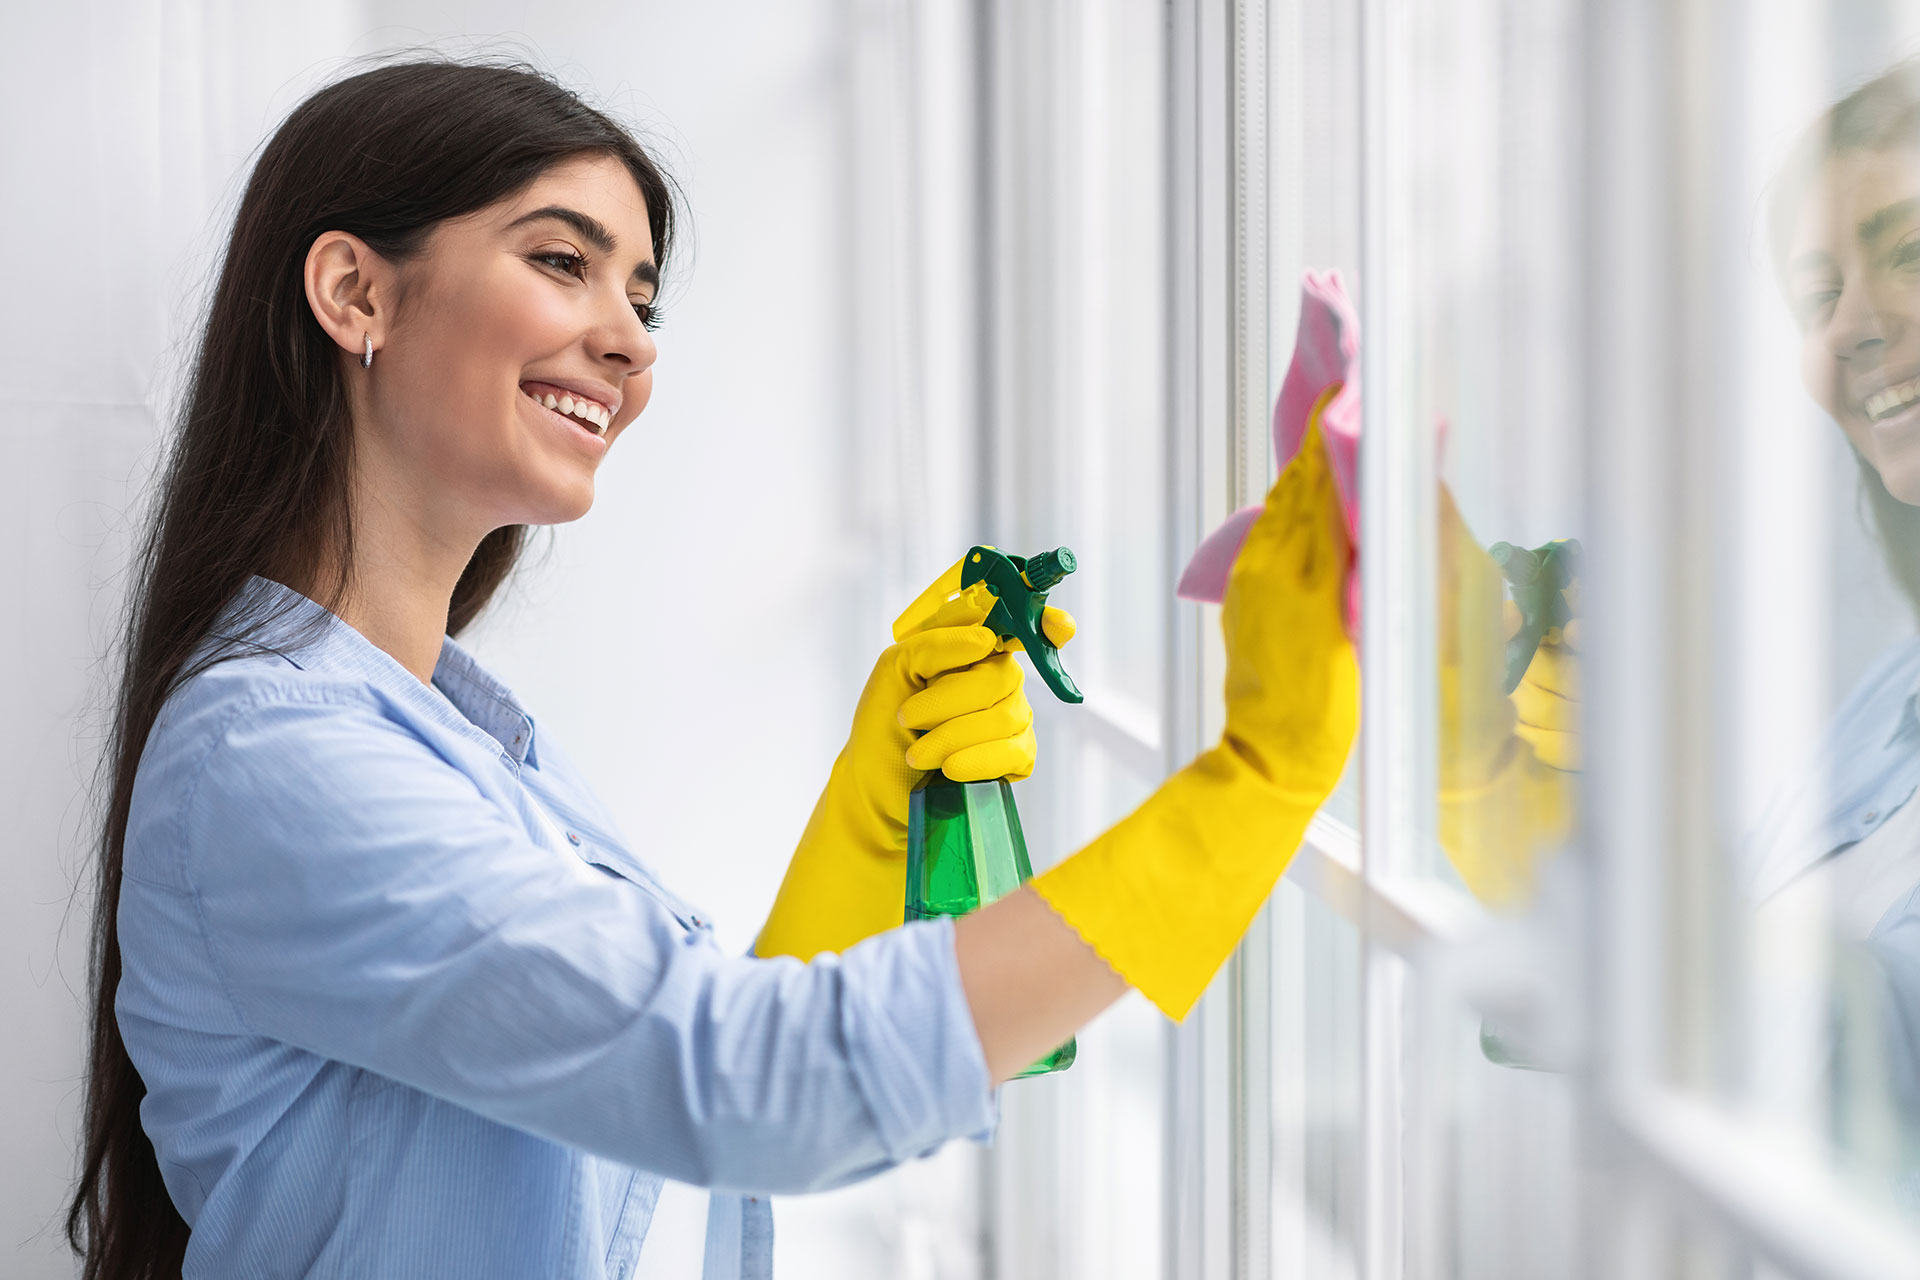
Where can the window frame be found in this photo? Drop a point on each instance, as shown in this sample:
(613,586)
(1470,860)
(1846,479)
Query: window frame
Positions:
(1654,1161)
(1650,1147)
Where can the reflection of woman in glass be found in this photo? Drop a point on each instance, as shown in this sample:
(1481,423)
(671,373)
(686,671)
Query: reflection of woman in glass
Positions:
(1844,231)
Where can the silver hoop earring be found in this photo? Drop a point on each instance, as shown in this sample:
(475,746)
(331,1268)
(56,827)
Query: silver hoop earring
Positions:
(366,358)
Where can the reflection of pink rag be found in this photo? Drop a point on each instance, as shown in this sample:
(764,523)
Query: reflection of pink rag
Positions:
(1326,355)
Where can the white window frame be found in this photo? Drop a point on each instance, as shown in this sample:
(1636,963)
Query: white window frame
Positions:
(1656,1162)
(1652,1148)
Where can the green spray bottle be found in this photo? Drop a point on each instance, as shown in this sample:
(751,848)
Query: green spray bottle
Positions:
(1539,578)
(964,844)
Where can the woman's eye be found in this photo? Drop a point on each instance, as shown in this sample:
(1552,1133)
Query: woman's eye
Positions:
(1812,306)
(571,263)
(575,265)
(1907,252)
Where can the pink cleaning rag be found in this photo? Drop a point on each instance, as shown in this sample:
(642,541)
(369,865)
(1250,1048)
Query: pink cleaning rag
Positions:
(1326,354)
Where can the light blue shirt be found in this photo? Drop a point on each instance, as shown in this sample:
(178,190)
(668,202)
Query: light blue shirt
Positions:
(1865,770)
(392,1023)
(1859,775)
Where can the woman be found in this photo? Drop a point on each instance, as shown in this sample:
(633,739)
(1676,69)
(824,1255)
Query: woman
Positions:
(1844,232)
(380,989)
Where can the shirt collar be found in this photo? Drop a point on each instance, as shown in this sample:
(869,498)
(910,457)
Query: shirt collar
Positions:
(1906,725)
(269,617)
(485,701)
(1864,768)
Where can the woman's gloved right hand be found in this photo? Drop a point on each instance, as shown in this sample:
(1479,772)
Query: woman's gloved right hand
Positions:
(1547,703)
(948,694)
(1165,894)
(1506,791)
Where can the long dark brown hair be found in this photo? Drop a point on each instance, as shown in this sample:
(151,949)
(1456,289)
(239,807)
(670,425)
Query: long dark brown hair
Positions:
(256,478)
(1881,114)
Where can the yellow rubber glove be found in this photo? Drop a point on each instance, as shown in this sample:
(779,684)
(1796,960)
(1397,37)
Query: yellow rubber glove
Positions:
(950,677)
(1165,894)
(1505,791)
(1548,699)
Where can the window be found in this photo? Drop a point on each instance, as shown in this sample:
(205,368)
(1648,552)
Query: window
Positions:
(1575,1029)
(1076,445)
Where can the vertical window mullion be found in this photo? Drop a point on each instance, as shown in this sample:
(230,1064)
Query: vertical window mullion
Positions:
(1201,1141)
(1196,390)
(1251,971)
(1396,475)
(1624,820)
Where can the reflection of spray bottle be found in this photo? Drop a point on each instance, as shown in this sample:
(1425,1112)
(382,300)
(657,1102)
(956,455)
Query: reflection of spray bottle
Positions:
(1539,580)
(964,844)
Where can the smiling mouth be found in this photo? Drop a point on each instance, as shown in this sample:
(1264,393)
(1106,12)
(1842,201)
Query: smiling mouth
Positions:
(1882,405)
(582,413)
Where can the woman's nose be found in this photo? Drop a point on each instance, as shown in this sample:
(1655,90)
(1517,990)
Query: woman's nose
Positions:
(1859,324)
(634,354)
(625,341)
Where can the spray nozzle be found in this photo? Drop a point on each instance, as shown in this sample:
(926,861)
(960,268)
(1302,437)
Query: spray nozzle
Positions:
(1020,587)
(1539,579)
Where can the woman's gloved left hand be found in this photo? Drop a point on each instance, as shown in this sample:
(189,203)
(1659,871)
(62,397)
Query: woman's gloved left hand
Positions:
(948,694)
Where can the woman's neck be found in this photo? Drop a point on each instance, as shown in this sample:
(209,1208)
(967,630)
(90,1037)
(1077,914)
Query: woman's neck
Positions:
(405,567)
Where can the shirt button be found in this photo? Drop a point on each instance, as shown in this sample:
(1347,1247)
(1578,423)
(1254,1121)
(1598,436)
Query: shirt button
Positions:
(572,838)
(1870,815)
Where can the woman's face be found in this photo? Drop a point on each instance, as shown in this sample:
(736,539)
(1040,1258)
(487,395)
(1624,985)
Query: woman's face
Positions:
(541,295)
(1853,279)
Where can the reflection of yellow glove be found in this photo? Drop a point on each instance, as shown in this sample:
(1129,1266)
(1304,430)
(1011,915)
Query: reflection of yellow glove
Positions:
(1505,795)
(1548,699)
(945,674)
(1165,894)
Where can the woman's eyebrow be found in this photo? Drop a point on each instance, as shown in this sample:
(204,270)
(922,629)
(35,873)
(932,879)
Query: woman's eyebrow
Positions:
(1876,225)
(593,231)
(1810,261)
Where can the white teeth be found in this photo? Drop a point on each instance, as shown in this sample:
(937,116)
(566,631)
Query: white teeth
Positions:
(585,411)
(1882,403)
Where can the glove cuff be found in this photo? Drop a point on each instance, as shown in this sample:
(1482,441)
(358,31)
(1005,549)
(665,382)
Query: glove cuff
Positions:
(1164,895)
(1496,832)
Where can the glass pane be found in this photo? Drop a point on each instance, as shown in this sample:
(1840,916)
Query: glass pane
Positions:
(1073,300)
(1484,240)
(1493,1167)
(1313,193)
(1078,1163)
(1818,556)
(1316,1091)
(1080,414)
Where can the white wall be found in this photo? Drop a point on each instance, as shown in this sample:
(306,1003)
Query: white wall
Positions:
(115,156)
(746,491)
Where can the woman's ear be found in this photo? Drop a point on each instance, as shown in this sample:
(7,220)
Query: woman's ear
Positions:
(349,287)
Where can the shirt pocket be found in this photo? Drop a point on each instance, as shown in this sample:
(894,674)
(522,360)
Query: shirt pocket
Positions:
(615,860)
(595,850)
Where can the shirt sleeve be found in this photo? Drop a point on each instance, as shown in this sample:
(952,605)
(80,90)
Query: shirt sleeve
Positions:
(364,900)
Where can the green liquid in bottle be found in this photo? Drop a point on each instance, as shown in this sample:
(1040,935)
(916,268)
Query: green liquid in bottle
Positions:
(965,849)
